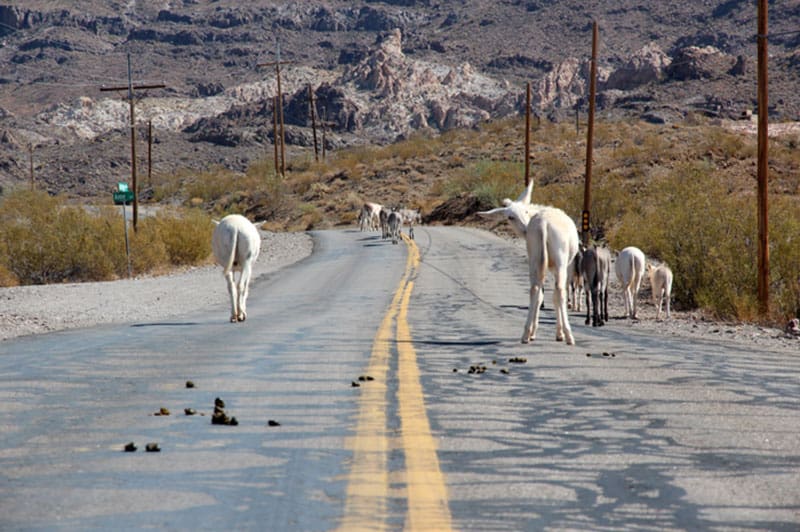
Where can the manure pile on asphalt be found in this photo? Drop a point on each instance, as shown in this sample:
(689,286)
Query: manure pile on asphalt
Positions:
(219,417)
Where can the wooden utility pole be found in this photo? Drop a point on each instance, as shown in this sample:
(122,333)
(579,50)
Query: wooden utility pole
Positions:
(763,162)
(130,88)
(311,105)
(325,124)
(275,134)
(528,134)
(149,153)
(30,155)
(277,64)
(587,191)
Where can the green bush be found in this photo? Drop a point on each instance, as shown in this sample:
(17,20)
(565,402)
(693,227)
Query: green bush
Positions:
(707,236)
(489,181)
(784,258)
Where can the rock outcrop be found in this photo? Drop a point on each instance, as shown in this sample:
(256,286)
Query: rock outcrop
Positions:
(695,62)
(648,65)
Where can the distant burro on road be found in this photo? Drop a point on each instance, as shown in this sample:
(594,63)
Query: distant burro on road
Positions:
(384,387)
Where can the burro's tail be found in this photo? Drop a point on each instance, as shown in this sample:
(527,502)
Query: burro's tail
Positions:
(540,254)
(632,275)
(232,257)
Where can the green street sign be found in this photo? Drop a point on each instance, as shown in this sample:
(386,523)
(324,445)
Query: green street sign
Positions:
(123,197)
(122,187)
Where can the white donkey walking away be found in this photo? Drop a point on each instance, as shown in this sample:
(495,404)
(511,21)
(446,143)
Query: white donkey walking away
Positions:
(630,269)
(552,242)
(236,244)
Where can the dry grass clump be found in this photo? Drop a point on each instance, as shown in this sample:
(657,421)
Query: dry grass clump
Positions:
(48,242)
(354,161)
(185,235)
(489,181)
(218,190)
(45,240)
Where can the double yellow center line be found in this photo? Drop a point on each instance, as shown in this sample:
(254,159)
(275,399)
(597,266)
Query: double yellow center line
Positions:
(368,490)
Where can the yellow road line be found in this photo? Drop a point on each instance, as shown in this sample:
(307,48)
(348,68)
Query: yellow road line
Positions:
(368,484)
(366,507)
(426,489)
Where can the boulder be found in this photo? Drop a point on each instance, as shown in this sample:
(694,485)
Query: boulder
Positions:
(645,66)
(695,62)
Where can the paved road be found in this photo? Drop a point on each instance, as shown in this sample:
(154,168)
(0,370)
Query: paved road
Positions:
(662,433)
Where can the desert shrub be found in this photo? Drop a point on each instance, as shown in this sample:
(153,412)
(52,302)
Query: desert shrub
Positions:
(489,181)
(417,145)
(548,167)
(566,196)
(784,258)
(302,182)
(310,217)
(214,186)
(148,251)
(725,143)
(7,278)
(186,236)
(613,197)
(353,161)
(45,240)
(705,234)
(626,153)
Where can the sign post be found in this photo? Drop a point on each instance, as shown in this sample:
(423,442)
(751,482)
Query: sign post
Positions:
(121,197)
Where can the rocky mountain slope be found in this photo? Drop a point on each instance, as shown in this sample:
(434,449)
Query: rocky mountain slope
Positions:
(379,70)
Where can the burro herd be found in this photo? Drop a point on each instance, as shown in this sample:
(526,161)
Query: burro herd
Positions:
(552,243)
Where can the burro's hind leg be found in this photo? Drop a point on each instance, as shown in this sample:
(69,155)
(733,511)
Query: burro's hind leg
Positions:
(234,294)
(244,290)
(529,333)
(563,329)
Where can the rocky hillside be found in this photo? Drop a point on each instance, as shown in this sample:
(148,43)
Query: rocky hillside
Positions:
(379,70)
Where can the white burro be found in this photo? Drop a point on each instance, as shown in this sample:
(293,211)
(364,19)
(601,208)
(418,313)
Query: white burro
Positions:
(236,244)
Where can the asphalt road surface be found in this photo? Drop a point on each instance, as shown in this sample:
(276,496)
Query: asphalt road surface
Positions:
(361,356)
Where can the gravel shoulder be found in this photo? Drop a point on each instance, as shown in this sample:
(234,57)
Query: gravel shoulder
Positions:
(26,310)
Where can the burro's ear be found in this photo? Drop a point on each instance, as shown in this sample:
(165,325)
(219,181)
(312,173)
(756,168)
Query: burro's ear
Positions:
(259,224)
(525,197)
(494,212)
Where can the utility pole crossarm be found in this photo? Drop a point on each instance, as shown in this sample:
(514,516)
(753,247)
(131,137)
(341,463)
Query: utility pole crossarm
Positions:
(130,87)
(134,87)
(274,63)
(279,135)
